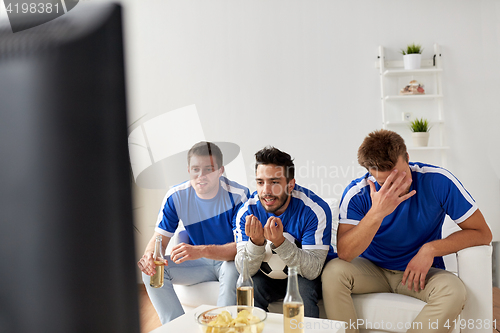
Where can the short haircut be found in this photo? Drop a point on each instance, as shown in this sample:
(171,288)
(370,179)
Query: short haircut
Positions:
(205,148)
(271,155)
(381,150)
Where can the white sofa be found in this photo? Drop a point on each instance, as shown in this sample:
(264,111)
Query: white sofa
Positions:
(472,265)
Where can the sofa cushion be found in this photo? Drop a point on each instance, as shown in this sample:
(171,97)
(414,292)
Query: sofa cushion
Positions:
(390,310)
(201,293)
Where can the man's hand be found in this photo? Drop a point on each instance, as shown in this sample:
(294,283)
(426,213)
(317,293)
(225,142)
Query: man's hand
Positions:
(254,230)
(273,231)
(391,194)
(147,264)
(182,252)
(417,269)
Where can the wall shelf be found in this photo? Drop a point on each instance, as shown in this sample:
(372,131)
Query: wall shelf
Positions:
(407,123)
(428,148)
(407,72)
(411,97)
(393,105)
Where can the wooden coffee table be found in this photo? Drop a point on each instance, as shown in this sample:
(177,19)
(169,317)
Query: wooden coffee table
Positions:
(274,323)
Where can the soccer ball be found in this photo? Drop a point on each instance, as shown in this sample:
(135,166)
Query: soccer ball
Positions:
(272,265)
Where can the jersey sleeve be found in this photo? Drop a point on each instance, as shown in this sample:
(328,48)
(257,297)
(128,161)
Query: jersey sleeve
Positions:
(168,220)
(243,198)
(355,203)
(318,231)
(453,197)
(240,220)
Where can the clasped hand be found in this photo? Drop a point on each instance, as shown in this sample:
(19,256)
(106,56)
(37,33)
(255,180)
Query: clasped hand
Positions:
(272,231)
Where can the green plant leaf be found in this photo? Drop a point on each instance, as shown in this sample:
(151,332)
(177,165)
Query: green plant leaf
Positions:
(420,125)
(412,49)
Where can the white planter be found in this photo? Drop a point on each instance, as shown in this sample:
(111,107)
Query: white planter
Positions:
(412,61)
(420,139)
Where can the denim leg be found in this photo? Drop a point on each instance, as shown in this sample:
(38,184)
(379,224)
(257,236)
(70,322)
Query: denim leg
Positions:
(267,290)
(228,275)
(310,291)
(164,299)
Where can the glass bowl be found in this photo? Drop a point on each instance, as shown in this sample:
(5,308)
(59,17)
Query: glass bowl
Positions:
(216,320)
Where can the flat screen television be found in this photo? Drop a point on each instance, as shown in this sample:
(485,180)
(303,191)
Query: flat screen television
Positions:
(66,230)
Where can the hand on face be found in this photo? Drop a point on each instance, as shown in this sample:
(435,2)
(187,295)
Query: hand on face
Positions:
(391,194)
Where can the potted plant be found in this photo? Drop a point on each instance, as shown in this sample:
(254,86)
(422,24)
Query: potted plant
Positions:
(420,132)
(412,56)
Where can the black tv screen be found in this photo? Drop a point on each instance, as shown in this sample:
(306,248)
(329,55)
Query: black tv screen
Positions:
(66,229)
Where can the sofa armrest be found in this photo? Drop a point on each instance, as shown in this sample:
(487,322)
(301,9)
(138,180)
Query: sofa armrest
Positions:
(474,269)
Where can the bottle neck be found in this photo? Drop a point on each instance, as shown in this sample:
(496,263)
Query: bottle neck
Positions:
(293,283)
(158,250)
(244,280)
(292,289)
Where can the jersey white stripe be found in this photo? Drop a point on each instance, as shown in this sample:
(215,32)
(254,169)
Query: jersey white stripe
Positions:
(447,174)
(467,215)
(169,193)
(235,190)
(351,193)
(318,210)
(243,210)
(164,232)
(348,221)
(316,247)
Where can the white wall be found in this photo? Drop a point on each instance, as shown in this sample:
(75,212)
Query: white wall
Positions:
(300,75)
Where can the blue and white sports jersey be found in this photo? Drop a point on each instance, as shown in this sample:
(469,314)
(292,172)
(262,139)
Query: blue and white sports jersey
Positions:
(307,218)
(206,221)
(416,221)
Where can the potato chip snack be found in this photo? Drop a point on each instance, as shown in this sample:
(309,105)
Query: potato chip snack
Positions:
(224,323)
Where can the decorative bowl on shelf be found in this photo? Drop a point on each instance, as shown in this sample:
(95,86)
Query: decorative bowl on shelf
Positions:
(232,319)
(413,88)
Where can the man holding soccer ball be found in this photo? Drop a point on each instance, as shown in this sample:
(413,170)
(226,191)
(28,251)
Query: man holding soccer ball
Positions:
(280,207)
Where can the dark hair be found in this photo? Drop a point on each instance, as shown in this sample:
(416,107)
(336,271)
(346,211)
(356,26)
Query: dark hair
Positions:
(205,148)
(381,150)
(271,155)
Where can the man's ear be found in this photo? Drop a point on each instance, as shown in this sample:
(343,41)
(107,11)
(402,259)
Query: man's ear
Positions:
(221,171)
(290,185)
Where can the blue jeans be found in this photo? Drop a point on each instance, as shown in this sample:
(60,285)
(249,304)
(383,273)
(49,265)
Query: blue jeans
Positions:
(165,300)
(267,290)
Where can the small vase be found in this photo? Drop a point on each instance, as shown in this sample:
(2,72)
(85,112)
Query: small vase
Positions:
(420,139)
(412,61)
